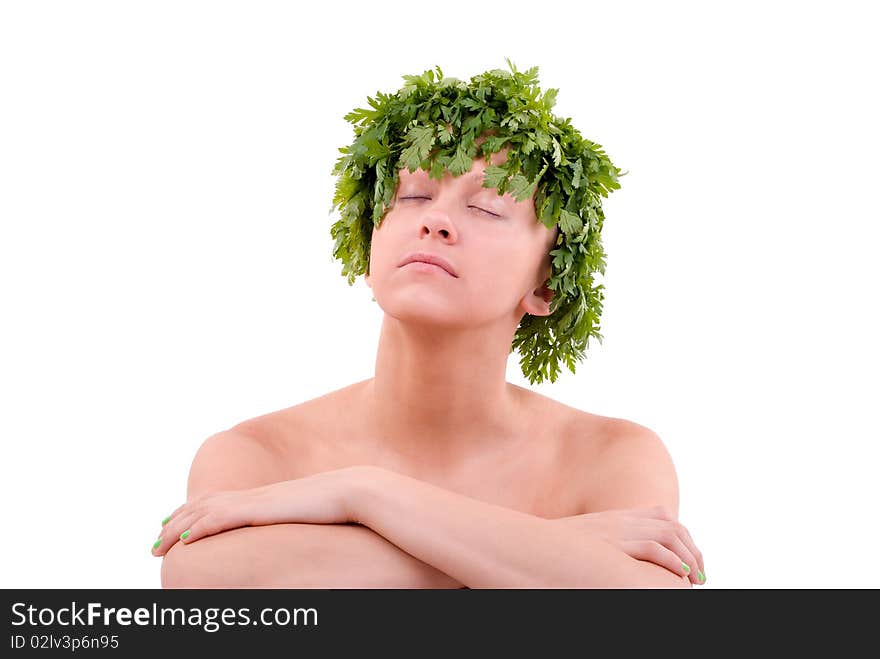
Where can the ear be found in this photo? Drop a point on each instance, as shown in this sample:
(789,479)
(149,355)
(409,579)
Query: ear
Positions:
(537,302)
(367,279)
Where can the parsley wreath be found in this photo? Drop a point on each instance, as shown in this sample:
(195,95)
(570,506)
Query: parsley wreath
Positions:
(432,124)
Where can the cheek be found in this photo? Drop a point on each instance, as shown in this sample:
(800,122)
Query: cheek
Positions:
(500,273)
(384,249)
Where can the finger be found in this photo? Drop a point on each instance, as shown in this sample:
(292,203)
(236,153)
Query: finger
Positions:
(692,555)
(695,557)
(173,514)
(695,552)
(654,552)
(670,535)
(172,531)
(651,512)
(672,541)
(209,524)
(661,512)
(211,517)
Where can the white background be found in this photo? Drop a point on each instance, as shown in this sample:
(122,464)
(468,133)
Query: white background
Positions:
(166,269)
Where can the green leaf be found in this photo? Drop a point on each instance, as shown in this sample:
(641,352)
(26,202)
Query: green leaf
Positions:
(438,169)
(493,175)
(520,187)
(460,162)
(569,223)
(557,153)
(444,136)
(577,169)
(422,139)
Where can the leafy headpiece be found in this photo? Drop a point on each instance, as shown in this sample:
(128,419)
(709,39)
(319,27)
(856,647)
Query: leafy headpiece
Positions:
(432,123)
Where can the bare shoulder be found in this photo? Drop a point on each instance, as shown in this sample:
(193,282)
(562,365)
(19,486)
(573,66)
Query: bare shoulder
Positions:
(301,436)
(232,459)
(274,425)
(624,464)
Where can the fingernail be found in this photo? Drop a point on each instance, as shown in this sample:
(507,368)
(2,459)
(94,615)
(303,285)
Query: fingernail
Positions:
(701,576)
(165,521)
(684,566)
(184,535)
(157,543)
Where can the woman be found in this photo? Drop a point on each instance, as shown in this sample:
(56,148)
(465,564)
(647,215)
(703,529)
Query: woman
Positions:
(437,472)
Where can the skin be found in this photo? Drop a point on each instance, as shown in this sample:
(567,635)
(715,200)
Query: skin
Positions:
(437,434)
(439,390)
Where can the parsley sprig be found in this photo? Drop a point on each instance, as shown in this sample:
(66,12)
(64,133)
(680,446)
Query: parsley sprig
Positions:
(432,123)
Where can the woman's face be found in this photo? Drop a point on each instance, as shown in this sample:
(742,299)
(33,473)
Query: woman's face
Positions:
(496,246)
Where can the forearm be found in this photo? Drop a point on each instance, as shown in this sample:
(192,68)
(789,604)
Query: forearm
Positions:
(297,556)
(483,545)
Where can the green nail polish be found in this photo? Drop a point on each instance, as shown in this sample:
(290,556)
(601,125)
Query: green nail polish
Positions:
(165,521)
(157,543)
(184,535)
(685,567)
(701,576)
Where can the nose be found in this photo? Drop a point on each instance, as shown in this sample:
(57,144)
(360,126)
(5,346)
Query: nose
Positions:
(437,221)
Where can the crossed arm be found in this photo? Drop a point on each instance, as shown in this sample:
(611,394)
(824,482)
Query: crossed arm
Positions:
(297,556)
(408,534)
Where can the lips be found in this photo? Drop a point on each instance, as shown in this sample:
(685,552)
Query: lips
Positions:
(433,259)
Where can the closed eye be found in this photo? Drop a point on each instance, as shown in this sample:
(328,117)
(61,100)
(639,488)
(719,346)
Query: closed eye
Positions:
(477,207)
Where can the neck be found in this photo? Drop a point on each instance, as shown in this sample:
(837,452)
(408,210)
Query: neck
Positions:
(442,390)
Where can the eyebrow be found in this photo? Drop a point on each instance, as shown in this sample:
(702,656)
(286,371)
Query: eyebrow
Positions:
(476,176)
(471,178)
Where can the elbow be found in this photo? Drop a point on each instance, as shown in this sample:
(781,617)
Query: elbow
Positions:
(166,579)
(222,560)
(183,567)
(171,575)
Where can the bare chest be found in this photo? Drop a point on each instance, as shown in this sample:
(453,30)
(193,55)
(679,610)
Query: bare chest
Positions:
(531,473)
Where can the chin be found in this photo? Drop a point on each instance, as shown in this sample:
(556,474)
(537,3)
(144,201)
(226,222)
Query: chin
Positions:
(437,312)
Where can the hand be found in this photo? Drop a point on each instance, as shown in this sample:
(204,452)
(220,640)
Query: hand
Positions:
(320,498)
(646,534)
